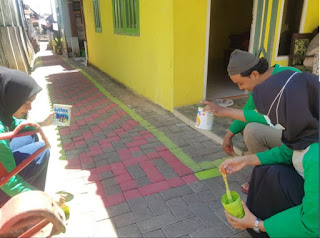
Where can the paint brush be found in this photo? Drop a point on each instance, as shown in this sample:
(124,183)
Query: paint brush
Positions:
(224,176)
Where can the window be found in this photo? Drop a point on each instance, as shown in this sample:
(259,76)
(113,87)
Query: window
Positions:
(96,13)
(126,17)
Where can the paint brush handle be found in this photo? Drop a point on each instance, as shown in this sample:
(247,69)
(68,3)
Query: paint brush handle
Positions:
(229,197)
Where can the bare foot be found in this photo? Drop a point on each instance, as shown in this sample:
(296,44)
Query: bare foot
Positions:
(245,187)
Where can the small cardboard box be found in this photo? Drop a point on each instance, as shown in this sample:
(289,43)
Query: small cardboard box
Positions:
(62,115)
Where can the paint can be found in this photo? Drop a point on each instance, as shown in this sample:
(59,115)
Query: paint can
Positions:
(204,119)
(62,116)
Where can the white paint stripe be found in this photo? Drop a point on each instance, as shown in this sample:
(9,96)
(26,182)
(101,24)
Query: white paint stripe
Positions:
(303,16)
(4,23)
(15,60)
(253,25)
(10,13)
(21,53)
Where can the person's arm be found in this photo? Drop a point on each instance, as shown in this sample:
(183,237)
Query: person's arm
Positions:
(237,125)
(17,122)
(302,220)
(16,184)
(235,164)
(276,155)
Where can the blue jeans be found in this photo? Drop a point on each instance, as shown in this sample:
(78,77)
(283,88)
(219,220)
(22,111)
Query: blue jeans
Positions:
(35,173)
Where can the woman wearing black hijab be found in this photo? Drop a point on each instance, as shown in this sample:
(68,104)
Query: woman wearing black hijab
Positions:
(283,200)
(17,91)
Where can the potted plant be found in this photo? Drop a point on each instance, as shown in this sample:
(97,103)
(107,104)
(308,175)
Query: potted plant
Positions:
(57,45)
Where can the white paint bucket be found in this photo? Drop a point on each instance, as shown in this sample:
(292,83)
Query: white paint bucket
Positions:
(204,119)
(62,115)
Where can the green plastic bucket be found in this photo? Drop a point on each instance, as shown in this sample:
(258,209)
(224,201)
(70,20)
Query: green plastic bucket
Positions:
(234,208)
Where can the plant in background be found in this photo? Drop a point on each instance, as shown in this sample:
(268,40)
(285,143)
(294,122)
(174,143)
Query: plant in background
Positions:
(57,45)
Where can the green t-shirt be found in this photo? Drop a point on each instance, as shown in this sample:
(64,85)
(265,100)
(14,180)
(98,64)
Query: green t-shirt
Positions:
(249,108)
(16,184)
(301,220)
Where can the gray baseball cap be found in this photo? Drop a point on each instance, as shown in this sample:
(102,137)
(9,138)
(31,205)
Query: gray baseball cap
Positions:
(240,61)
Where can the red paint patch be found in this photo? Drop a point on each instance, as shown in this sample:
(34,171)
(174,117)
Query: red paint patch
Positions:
(128,185)
(154,188)
(190,178)
(175,182)
(132,194)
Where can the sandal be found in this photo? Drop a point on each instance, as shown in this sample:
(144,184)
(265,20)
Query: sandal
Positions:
(243,189)
(224,103)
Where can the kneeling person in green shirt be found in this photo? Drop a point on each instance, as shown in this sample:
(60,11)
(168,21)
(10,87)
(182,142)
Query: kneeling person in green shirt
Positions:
(248,71)
(283,200)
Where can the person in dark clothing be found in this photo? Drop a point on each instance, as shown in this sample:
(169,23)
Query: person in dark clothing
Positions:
(283,200)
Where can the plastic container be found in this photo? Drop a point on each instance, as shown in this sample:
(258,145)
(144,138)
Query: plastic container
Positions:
(234,208)
(204,119)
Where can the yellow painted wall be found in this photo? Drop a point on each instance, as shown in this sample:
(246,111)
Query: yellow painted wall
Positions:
(189,50)
(166,62)
(312,16)
(143,63)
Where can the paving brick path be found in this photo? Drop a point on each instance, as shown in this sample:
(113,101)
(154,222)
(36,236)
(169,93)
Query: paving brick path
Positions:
(133,167)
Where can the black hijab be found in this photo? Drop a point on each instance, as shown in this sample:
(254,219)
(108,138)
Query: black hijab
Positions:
(298,110)
(16,88)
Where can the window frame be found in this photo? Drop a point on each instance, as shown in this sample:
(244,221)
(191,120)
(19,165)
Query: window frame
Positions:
(97,16)
(121,17)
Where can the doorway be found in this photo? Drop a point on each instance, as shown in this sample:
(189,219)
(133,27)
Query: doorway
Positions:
(230,25)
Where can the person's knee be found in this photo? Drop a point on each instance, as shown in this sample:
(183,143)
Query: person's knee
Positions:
(46,155)
(252,137)
(250,131)
(269,172)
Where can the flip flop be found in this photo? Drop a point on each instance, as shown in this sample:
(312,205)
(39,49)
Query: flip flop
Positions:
(224,103)
(244,190)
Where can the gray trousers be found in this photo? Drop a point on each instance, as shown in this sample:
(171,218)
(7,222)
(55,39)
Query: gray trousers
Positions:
(259,137)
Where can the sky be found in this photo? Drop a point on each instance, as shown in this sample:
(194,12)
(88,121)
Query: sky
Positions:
(40,6)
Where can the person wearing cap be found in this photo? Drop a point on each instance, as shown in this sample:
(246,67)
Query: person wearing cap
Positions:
(283,200)
(248,71)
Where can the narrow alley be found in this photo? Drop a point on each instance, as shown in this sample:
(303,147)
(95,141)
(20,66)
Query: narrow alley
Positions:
(134,169)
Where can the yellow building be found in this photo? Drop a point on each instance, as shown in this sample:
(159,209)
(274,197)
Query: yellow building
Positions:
(174,52)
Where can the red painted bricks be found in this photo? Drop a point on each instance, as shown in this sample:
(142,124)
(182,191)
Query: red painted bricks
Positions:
(154,188)
(176,182)
(64,131)
(128,185)
(103,169)
(95,129)
(132,122)
(69,146)
(74,127)
(190,178)
(79,138)
(125,177)
(133,149)
(154,174)
(136,143)
(114,200)
(161,148)
(153,155)
(87,135)
(79,143)
(131,194)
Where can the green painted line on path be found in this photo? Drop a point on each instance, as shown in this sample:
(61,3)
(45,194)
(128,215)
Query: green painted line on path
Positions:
(206,174)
